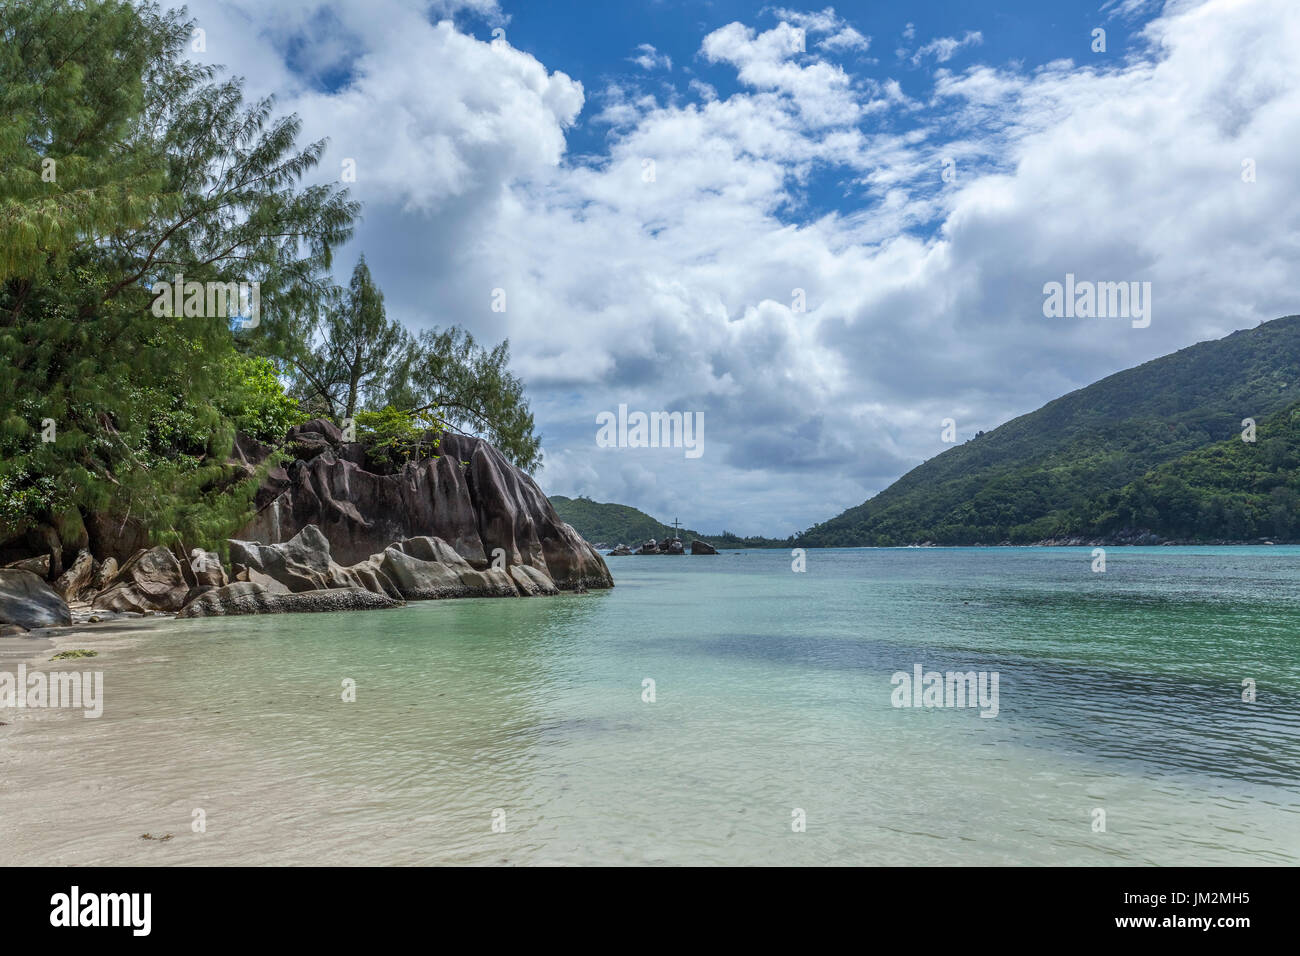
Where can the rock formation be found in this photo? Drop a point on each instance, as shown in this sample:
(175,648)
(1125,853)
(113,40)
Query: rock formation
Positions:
(39,566)
(702,547)
(243,597)
(27,602)
(77,582)
(150,580)
(666,546)
(466,523)
(470,496)
(303,563)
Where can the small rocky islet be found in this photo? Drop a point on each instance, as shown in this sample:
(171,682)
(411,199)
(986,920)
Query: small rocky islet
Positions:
(333,530)
(667,546)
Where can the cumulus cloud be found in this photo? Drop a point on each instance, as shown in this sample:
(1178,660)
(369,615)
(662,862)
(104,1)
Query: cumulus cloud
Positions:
(843,40)
(821,90)
(837,35)
(648,58)
(683,269)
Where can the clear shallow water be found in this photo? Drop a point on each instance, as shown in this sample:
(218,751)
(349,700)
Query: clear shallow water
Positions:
(1119,691)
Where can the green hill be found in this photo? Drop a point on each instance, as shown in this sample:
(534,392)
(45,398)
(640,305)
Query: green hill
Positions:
(611,524)
(1233,490)
(1149,448)
(608,523)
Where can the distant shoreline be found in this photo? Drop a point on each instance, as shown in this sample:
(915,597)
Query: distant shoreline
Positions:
(1094,543)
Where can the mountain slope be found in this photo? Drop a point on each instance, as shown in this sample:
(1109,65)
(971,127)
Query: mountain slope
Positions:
(611,524)
(1233,490)
(1057,471)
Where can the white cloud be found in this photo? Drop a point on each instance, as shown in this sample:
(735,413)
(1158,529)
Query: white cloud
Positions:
(822,91)
(839,36)
(677,293)
(704,91)
(843,40)
(824,21)
(943,48)
(648,58)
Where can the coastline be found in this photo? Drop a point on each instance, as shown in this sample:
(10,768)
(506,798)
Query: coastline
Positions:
(1048,543)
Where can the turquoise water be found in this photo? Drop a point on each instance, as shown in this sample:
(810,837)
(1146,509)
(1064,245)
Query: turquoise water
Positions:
(1119,692)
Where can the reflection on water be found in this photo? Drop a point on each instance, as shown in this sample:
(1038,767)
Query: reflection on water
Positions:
(1120,691)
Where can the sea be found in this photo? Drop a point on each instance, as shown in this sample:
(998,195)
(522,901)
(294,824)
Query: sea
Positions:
(754,707)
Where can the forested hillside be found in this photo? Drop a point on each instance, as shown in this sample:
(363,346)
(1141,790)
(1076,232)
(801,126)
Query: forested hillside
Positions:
(1079,465)
(608,523)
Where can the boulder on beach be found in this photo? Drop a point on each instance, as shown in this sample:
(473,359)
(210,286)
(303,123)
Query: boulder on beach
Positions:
(150,580)
(106,571)
(461,522)
(426,568)
(532,582)
(421,568)
(207,568)
(28,602)
(302,564)
(77,583)
(702,547)
(39,566)
(243,597)
(468,495)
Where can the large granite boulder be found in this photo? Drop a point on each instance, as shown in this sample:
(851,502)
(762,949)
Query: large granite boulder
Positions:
(427,568)
(77,583)
(39,566)
(106,571)
(244,597)
(702,547)
(469,496)
(150,580)
(531,582)
(303,563)
(27,601)
(207,568)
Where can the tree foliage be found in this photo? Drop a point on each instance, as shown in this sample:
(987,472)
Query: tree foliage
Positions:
(124,165)
(347,354)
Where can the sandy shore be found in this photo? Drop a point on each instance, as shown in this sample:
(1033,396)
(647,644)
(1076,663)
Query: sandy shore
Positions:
(37,647)
(42,790)
(124,789)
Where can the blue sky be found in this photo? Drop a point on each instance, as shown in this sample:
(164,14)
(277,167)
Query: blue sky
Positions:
(852,215)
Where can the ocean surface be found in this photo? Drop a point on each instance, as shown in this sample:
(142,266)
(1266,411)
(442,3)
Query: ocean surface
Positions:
(518,731)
